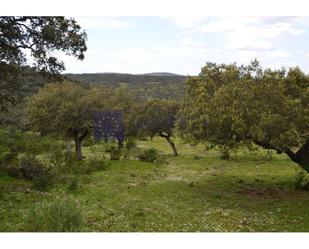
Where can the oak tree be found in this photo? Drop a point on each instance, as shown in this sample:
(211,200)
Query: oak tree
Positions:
(230,105)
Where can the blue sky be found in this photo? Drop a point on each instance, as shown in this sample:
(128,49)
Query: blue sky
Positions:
(184,44)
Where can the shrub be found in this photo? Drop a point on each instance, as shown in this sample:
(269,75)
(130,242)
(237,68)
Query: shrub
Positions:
(74,184)
(61,215)
(8,161)
(114,152)
(225,154)
(34,170)
(150,155)
(88,141)
(301,182)
(88,167)
(130,144)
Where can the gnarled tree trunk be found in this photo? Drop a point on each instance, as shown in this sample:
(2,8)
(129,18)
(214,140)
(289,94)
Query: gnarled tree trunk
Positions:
(301,157)
(170,142)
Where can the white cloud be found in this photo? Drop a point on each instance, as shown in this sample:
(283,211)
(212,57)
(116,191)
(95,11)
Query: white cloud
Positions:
(102,22)
(279,54)
(187,21)
(185,48)
(250,33)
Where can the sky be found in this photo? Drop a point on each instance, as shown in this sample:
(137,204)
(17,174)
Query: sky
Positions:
(183,45)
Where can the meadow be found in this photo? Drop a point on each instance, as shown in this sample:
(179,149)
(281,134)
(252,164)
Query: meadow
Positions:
(193,192)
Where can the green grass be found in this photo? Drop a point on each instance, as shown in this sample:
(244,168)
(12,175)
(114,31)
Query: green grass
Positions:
(246,193)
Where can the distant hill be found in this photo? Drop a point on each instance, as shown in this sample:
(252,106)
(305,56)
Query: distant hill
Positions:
(151,85)
(162,74)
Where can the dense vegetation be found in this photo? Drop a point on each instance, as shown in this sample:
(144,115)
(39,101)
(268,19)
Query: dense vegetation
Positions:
(39,37)
(233,106)
(144,86)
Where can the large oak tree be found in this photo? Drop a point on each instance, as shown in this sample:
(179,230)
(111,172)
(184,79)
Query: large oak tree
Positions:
(230,105)
(63,109)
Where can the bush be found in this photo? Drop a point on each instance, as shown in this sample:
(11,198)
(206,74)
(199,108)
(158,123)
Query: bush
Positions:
(88,142)
(225,154)
(114,152)
(301,182)
(74,184)
(34,170)
(150,155)
(61,215)
(88,167)
(130,144)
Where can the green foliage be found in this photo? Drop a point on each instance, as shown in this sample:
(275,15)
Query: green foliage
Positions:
(70,108)
(142,86)
(87,167)
(225,154)
(61,215)
(114,151)
(246,193)
(301,181)
(130,144)
(34,170)
(74,184)
(89,141)
(149,155)
(36,37)
(231,106)
(153,117)
(19,155)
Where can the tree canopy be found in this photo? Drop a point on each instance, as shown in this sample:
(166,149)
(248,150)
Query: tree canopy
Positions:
(64,109)
(27,41)
(229,105)
(67,109)
(154,117)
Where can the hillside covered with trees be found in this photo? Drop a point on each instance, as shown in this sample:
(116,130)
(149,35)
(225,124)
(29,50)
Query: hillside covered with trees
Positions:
(152,85)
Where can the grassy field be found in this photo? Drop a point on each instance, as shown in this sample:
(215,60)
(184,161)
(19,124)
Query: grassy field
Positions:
(196,191)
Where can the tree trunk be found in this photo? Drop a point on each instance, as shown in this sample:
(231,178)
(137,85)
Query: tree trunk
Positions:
(171,143)
(301,157)
(78,144)
(78,149)
(120,144)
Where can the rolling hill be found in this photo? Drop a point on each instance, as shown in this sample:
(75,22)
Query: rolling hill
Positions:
(150,85)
